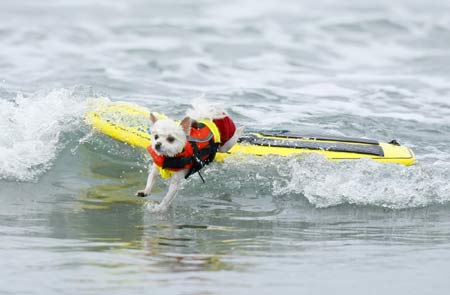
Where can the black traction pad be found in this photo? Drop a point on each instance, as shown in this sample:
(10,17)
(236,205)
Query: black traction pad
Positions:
(370,148)
(293,135)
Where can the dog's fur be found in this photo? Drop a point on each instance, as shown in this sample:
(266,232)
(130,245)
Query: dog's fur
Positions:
(169,139)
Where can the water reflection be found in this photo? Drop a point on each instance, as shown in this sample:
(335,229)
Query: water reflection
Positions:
(210,230)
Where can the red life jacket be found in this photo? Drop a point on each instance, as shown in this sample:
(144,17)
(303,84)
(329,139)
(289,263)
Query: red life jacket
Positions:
(199,151)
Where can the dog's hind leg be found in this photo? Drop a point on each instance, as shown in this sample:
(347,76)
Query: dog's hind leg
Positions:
(232,141)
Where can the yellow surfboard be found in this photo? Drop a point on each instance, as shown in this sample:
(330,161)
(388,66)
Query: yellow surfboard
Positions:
(130,124)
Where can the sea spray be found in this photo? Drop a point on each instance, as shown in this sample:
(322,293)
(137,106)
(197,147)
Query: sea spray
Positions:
(323,183)
(32,128)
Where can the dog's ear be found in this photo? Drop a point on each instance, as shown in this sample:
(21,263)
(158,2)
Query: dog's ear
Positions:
(186,125)
(153,118)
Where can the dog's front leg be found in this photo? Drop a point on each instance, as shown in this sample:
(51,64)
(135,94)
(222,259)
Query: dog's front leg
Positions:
(174,186)
(150,182)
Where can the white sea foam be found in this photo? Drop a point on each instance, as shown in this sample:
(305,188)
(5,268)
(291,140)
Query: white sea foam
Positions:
(326,89)
(31,131)
(326,183)
(364,182)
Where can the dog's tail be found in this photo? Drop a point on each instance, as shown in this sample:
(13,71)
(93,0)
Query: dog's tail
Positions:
(204,110)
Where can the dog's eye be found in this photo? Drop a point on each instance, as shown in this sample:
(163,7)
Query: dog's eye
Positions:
(156,136)
(170,139)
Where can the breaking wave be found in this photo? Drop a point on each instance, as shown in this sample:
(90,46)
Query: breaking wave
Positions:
(326,183)
(37,127)
(33,128)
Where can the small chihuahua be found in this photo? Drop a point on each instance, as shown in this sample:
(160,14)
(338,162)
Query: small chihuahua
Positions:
(182,149)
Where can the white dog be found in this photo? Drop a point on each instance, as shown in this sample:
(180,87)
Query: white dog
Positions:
(181,149)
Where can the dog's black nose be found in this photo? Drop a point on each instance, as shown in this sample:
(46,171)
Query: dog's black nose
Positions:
(158,146)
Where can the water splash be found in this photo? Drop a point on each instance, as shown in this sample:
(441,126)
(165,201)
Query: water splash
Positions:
(32,128)
(365,182)
(326,183)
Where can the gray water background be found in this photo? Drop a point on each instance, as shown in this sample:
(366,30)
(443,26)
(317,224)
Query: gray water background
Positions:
(69,222)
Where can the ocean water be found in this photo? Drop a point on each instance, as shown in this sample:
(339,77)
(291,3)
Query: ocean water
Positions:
(69,223)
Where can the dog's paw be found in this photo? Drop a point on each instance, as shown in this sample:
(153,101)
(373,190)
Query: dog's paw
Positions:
(141,194)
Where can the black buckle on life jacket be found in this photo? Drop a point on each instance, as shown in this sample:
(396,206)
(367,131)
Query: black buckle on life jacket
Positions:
(176,162)
(197,158)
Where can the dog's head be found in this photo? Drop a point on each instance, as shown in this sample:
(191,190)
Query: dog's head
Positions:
(169,137)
